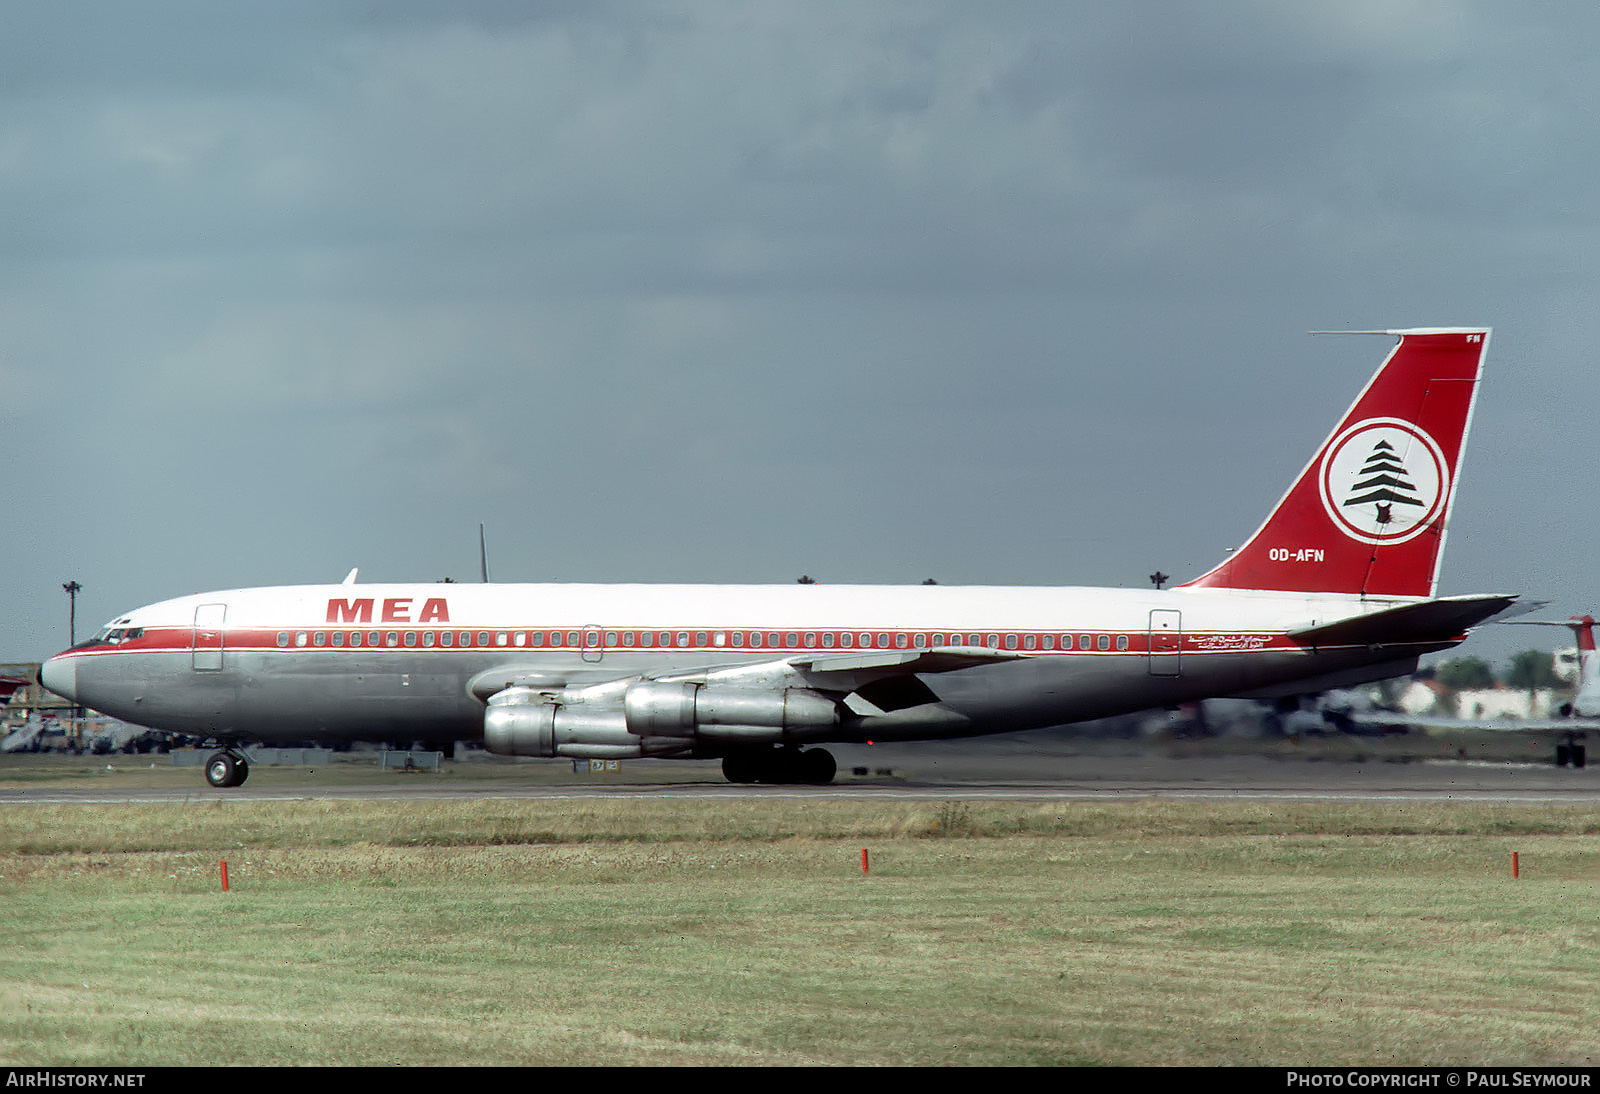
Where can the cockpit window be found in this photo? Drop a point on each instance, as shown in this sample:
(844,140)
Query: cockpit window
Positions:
(112,636)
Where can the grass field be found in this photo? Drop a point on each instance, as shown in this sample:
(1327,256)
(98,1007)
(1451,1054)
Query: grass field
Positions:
(745,932)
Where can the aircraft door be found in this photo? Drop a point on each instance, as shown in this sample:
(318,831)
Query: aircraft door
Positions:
(207,641)
(1166,642)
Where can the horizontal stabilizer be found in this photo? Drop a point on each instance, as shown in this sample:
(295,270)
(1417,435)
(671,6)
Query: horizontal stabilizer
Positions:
(1432,620)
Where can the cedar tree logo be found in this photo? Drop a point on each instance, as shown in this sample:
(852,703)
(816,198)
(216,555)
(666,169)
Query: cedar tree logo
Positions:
(1384,480)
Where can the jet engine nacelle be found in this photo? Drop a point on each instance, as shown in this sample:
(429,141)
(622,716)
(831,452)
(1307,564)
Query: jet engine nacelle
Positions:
(654,709)
(654,719)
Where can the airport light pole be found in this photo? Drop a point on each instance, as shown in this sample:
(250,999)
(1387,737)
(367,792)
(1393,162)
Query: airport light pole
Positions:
(71,588)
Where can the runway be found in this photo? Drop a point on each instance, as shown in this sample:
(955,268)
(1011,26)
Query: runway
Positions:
(1001,770)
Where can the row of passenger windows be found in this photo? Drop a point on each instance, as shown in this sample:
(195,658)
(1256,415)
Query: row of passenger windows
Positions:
(592,639)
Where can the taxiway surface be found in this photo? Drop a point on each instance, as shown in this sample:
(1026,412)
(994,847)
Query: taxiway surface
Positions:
(1001,770)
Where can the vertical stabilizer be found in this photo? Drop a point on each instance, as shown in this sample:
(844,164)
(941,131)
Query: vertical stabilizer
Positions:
(1368,514)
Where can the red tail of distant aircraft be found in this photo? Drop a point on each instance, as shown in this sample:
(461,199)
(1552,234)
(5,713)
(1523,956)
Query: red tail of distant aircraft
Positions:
(1336,588)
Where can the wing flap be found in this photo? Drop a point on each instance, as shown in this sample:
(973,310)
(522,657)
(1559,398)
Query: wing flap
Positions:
(943,659)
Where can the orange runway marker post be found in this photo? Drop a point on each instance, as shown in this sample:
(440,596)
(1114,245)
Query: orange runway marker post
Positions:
(1516,867)
(224,875)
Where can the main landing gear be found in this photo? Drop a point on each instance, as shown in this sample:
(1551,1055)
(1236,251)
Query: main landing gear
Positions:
(227,768)
(1572,751)
(812,767)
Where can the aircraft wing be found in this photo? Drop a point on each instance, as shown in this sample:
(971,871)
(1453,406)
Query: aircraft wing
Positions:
(867,681)
(1442,725)
(1568,734)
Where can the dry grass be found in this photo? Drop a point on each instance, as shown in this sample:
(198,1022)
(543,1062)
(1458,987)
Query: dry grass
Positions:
(743,932)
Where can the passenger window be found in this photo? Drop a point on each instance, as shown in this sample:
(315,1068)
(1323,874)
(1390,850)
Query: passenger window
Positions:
(427,638)
(1011,641)
(1103,642)
(1122,641)
(319,639)
(300,638)
(338,638)
(755,639)
(1083,641)
(283,638)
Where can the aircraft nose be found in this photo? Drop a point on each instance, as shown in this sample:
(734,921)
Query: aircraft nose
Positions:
(60,675)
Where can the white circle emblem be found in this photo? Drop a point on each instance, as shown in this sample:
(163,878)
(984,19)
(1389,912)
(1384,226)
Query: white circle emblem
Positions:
(1384,480)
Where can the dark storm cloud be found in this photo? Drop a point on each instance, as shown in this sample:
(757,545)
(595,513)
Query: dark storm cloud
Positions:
(1001,293)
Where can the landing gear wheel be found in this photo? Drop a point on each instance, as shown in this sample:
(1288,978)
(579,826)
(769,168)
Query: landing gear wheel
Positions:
(740,767)
(1563,755)
(225,769)
(1580,755)
(781,766)
(815,767)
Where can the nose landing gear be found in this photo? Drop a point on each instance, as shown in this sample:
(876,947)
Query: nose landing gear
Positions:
(227,768)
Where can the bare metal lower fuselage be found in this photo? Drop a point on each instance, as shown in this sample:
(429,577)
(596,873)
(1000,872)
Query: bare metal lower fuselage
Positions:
(384,695)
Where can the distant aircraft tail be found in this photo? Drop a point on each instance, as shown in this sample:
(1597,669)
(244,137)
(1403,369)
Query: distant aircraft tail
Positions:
(1583,629)
(1368,514)
(1586,698)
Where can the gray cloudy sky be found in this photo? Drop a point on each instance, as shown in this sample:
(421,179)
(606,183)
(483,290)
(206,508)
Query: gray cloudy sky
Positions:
(1006,293)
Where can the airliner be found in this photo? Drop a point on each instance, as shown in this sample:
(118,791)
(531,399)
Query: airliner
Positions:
(1575,720)
(1337,587)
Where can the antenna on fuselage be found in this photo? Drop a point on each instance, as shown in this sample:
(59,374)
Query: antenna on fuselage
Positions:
(483,554)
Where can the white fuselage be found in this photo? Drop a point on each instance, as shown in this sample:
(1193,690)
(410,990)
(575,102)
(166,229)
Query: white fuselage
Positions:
(404,662)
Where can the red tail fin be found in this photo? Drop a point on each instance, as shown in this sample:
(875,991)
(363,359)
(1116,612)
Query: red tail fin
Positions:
(1368,513)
